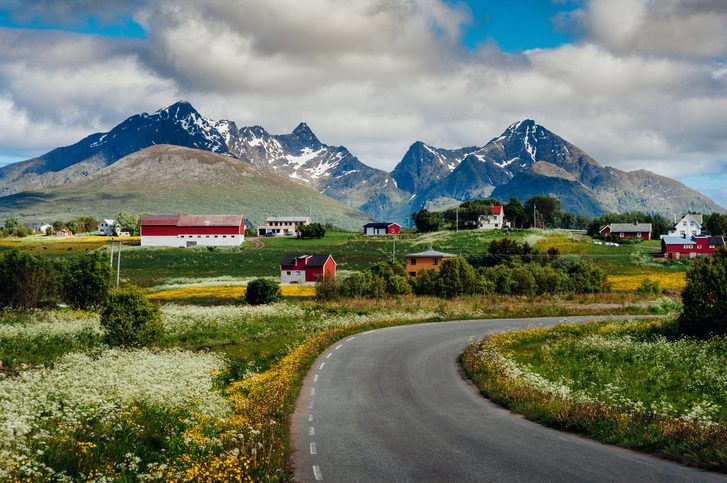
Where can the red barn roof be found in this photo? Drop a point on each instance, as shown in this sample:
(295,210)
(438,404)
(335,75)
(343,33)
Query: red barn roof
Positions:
(496,209)
(192,220)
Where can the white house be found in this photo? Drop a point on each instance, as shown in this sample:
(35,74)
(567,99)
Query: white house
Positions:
(108,227)
(42,228)
(494,221)
(282,225)
(192,230)
(690,225)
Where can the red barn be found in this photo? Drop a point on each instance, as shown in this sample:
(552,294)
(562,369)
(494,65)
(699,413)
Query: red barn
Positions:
(690,246)
(191,230)
(382,229)
(627,230)
(307,268)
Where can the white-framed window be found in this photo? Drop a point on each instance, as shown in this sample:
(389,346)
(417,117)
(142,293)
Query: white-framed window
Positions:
(638,233)
(699,247)
(621,235)
(711,246)
(689,246)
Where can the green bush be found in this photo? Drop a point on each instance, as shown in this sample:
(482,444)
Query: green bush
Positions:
(588,278)
(262,291)
(130,320)
(457,278)
(705,297)
(87,282)
(313,230)
(649,287)
(28,281)
(328,288)
(523,281)
(427,283)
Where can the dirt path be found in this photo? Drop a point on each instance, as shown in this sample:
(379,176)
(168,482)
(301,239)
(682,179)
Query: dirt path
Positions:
(257,243)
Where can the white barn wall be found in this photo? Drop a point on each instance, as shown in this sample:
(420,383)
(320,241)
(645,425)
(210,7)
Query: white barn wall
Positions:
(202,240)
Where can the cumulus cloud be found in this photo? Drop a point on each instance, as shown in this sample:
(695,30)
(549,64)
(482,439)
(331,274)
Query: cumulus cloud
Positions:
(377,75)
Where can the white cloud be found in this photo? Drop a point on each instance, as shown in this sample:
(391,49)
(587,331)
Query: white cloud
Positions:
(377,75)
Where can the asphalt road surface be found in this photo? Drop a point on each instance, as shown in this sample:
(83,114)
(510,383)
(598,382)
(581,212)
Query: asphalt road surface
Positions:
(390,405)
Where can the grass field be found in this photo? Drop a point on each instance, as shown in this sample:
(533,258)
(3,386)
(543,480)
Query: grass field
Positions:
(632,383)
(53,245)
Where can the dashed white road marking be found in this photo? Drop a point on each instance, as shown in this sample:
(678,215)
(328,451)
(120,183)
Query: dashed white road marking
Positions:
(322,365)
(315,378)
(313,449)
(329,355)
(317,473)
(312,391)
(311,431)
(310,404)
(310,418)
(350,338)
(338,347)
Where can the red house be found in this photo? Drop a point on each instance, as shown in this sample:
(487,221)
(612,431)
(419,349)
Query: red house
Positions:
(191,230)
(307,268)
(627,230)
(382,229)
(676,247)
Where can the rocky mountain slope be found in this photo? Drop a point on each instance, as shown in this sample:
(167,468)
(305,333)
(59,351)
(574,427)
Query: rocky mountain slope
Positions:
(166,179)
(527,159)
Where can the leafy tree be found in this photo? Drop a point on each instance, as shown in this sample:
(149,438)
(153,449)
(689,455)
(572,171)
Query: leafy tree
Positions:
(27,281)
(705,297)
(129,319)
(12,224)
(428,283)
(312,230)
(547,210)
(659,224)
(87,282)
(469,213)
(129,222)
(587,278)
(515,213)
(262,291)
(506,250)
(715,223)
(457,277)
(427,221)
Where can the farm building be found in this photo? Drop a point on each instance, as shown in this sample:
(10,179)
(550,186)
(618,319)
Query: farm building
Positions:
(63,233)
(686,246)
(382,228)
(192,230)
(627,230)
(42,228)
(690,225)
(282,226)
(295,269)
(495,220)
(428,259)
(108,227)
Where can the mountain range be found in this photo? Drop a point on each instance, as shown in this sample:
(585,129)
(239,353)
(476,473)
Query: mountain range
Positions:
(526,159)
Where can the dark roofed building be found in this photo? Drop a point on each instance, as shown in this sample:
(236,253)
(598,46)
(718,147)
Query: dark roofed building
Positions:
(627,230)
(384,228)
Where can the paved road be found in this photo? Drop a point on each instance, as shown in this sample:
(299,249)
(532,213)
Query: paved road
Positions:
(390,405)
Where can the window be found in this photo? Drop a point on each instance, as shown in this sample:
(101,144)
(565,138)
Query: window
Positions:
(215,236)
(621,235)
(684,223)
(638,233)
(288,272)
(435,261)
(206,236)
(699,247)
(413,274)
(224,236)
(711,246)
(413,261)
(688,246)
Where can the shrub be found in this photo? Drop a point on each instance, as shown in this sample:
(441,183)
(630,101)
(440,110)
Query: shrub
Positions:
(27,281)
(457,277)
(648,287)
(705,297)
(313,230)
(87,282)
(427,283)
(130,320)
(328,289)
(588,278)
(262,291)
(523,281)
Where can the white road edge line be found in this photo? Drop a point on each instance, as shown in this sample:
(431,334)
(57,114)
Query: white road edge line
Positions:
(315,378)
(313,449)
(311,431)
(312,391)
(322,365)
(310,404)
(317,473)
(338,347)
(310,418)
(329,355)
(350,338)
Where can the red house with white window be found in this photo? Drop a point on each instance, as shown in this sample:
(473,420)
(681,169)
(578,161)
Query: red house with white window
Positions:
(382,228)
(676,247)
(295,269)
(627,230)
(192,230)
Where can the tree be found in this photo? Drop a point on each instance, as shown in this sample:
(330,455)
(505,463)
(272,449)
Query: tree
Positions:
(515,213)
(427,221)
(715,223)
(312,230)
(27,281)
(262,291)
(547,209)
(129,319)
(12,224)
(129,222)
(457,278)
(705,297)
(87,282)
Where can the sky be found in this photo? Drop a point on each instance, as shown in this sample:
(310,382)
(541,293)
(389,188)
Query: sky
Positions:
(638,84)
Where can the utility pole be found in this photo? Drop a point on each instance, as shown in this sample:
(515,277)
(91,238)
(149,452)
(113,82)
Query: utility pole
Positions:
(535,220)
(393,252)
(111,260)
(457,218)
(118,266)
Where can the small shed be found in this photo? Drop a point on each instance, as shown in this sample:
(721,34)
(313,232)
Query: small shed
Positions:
(384,228)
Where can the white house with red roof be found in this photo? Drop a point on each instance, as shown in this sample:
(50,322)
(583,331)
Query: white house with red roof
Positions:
(494,221)
(299,269)
(192,230)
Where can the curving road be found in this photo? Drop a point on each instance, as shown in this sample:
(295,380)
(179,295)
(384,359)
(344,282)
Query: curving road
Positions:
(390,405)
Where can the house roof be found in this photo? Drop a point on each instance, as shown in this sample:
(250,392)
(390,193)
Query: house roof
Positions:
(192,220)
(313,260)
(431,254)
(286,218)
(384,224)
(716,240)
(680,240)
(629,227)
(109,221)
(496,209)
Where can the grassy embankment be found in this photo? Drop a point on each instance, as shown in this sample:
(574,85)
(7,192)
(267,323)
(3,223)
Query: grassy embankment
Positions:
(636,384)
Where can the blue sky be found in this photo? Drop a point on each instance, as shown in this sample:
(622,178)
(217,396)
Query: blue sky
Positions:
(648,93)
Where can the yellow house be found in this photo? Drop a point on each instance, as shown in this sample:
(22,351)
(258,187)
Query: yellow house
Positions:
(426,260)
